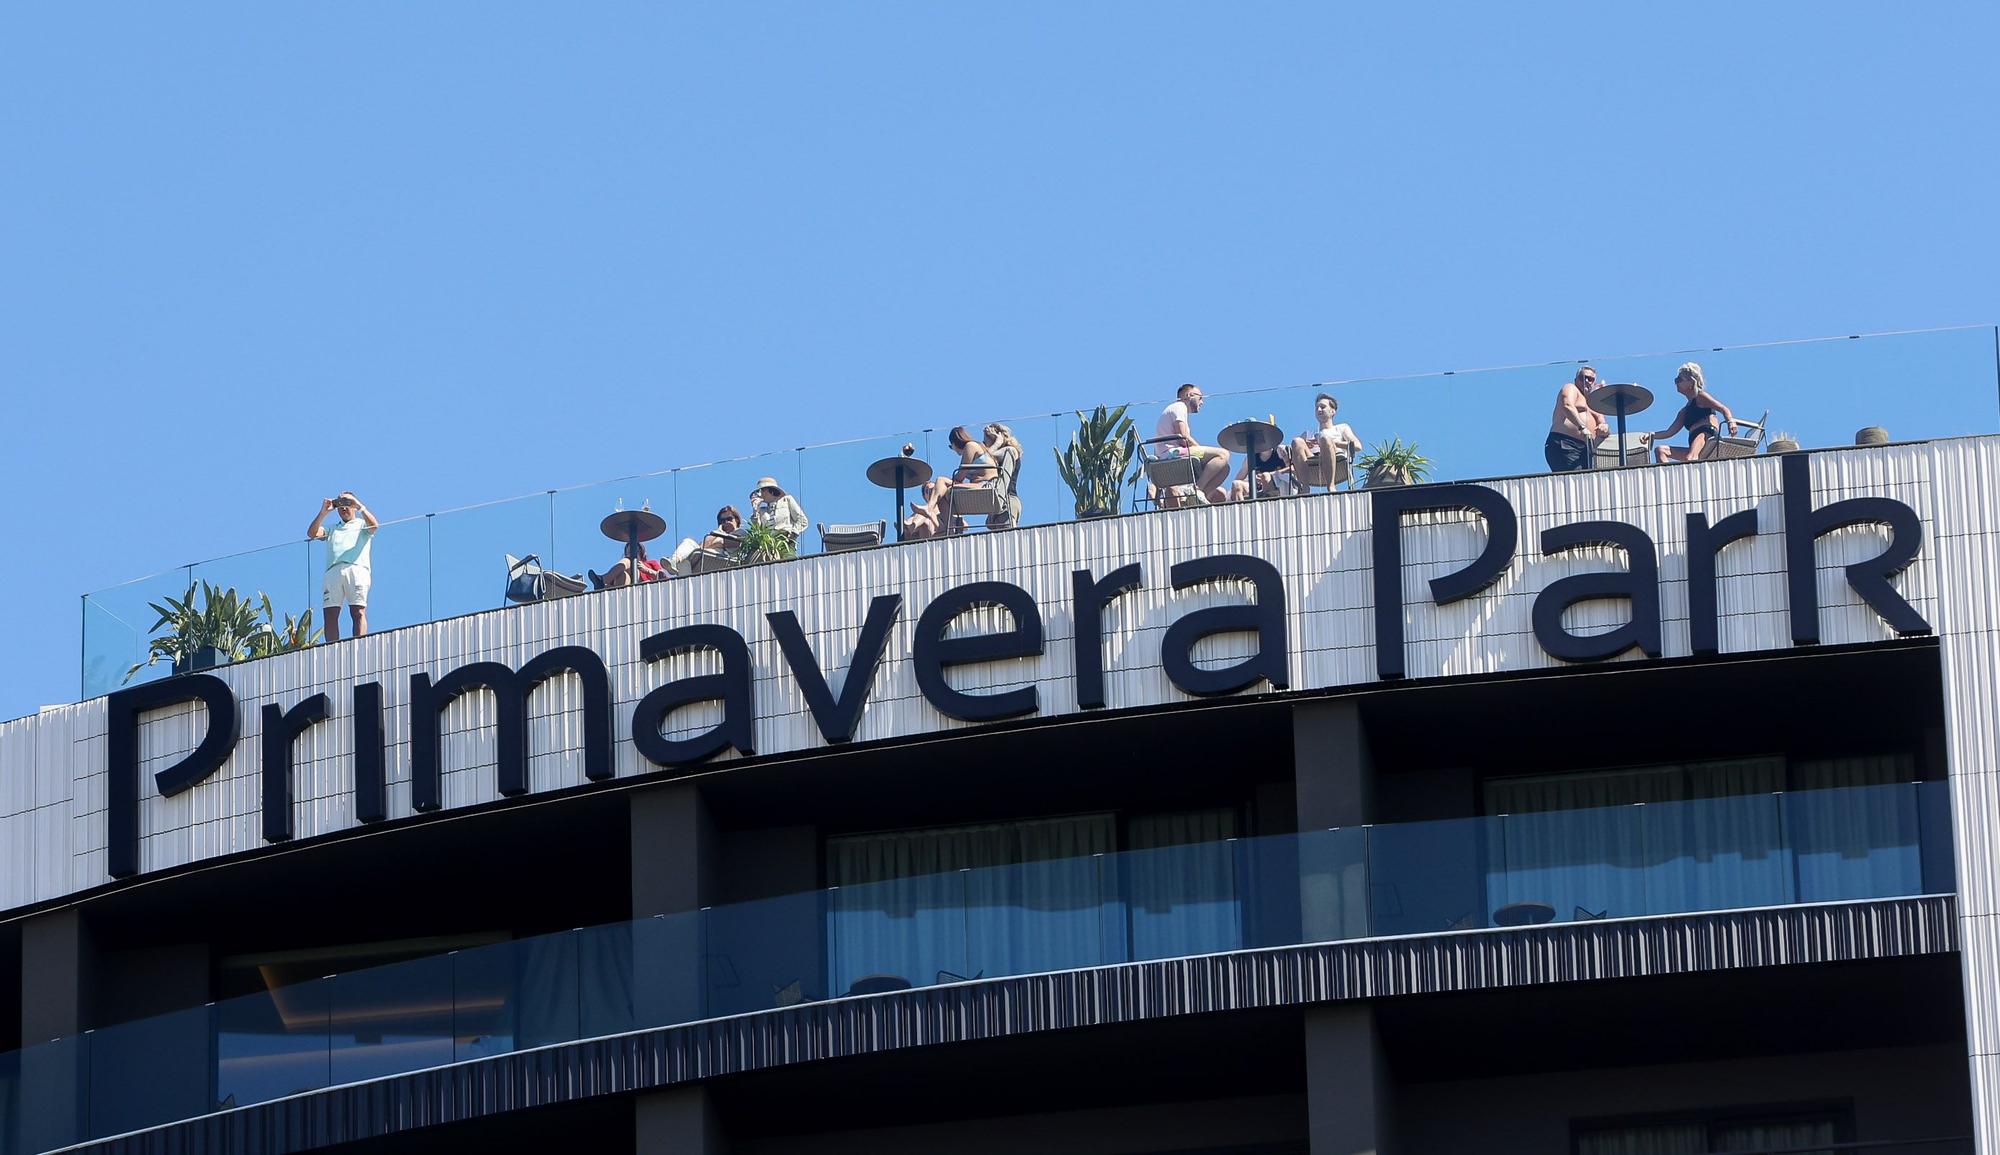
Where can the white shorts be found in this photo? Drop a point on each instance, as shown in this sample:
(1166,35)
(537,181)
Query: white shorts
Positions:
(346,585)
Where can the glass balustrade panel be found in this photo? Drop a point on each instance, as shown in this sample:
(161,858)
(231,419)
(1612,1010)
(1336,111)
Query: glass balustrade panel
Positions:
(838,490)
(390,1019)
(151,1070)
(469,550)
(119,625)
(273,1043)
(763,954)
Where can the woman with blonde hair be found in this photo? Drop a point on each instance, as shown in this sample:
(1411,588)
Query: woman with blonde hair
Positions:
(975,464)
(1699,417)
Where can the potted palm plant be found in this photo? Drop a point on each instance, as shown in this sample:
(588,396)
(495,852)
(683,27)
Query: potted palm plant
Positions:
(1782,442)
(765,543)
(1094,463)
(1392,462)
(225,627)
(198,637)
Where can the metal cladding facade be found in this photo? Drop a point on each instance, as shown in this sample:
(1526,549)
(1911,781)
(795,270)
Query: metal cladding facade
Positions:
(53,766)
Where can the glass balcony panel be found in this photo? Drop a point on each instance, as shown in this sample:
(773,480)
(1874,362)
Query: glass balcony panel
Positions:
(485,1000)
(1328,902)
(701,491)
(1716,854)
(469,548)
(835,490)
(53,1094)
(646,973)
(580,541)
(1857,842)
(548,993)
(1028,917)
(118,625)
(290,575)
(149,1071)
(1184,900)
(763,954)
(273,1043)
(391,1019)
(897,934)
(1426,877)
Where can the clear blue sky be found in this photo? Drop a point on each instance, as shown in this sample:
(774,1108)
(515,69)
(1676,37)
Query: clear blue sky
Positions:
(447,252)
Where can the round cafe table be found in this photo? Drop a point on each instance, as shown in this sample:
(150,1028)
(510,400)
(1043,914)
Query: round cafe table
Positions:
(632,526)
(899,474)
(1253,439)
(1619,400)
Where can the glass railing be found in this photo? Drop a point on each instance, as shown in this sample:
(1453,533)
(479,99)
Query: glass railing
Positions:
(1026,918)
(1471,424)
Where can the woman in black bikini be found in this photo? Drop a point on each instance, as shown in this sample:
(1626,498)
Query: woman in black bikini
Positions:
(1699,417)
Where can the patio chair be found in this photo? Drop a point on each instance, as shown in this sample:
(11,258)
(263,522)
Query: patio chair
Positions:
(528,582)
(1638,450)
(855,535)
(1168,474)
(998,502)
(1319,471)
(1724,448)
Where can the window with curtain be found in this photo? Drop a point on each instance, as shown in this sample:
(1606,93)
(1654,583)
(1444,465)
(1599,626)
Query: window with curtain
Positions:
(921,906)
(1789,1132)
(1706,838)
(1182,878)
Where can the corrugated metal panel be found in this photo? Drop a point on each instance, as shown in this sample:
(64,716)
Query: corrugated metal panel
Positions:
(1320,544)
(998,1008)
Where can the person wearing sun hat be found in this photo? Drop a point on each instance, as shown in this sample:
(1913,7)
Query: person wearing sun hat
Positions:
(771,505)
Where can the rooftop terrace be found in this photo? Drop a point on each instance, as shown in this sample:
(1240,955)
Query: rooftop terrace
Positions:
(1470,424)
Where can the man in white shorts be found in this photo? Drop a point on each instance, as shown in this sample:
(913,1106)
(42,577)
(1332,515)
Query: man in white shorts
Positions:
(347,575)
(1177,440)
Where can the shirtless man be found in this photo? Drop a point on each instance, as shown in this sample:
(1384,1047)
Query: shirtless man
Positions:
(1575,426)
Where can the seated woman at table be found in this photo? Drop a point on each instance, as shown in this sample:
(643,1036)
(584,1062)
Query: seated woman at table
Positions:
(721,539)
(975,467)
(1701,417)
(1270,467)
(620,573)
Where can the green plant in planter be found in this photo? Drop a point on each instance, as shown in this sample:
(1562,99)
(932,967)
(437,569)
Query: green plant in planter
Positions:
(186,634)
(1781,442)
(1393,463)
(765,543)
(1093,465)
(294,633)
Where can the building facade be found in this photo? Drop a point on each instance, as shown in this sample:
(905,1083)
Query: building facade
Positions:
(1627,811)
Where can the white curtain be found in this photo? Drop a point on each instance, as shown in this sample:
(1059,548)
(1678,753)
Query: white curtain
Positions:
(1657,1139)
(1638,841)
(921,906)
(1183,884)
(1852,826)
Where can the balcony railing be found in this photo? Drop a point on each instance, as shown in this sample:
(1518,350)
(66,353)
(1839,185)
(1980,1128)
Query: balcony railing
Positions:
(1026,918)
(1471,424)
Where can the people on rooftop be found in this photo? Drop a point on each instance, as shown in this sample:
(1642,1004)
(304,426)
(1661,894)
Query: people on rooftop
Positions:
(771,506)
(1313,452)
(1575,427)
(722,539)
(976,466)
(649,569)
(1271,468)
(348,569)
(1175,438)
(1702,416)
